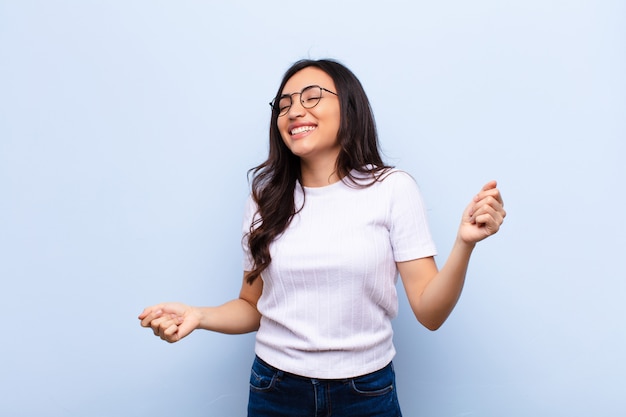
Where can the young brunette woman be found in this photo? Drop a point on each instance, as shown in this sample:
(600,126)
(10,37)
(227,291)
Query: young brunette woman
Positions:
(327,229)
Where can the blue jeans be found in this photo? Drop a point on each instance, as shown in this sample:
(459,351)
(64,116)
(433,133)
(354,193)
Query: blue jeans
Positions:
(274,393)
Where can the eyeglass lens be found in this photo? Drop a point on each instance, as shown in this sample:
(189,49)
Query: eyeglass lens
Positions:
(309,97)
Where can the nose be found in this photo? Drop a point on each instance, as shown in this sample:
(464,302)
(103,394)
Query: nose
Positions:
(296,109)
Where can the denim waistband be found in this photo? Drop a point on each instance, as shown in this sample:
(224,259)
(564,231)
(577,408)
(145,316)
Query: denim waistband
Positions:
(281,373)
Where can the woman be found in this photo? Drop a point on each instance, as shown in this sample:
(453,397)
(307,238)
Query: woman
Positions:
(327,229)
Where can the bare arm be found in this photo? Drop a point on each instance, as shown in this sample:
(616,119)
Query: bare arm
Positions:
(173,321)
(433,294)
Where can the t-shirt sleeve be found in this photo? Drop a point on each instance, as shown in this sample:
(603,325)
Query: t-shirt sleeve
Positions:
(409,231)
(248,216)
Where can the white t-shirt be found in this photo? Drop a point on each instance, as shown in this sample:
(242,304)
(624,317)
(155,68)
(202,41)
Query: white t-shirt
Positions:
(329,293)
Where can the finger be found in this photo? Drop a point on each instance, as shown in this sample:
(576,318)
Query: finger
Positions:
(488,206)
(489,189)
(184,328)
(490,216)
(489,224)
(165,318)
(146,311)
(493,199)
(490,185)
(150,310)
(487,213)
(169,333)
(477,208)
(478,211)
(147,320)
(492,192)
(157,323)
(170,330)
(159,326)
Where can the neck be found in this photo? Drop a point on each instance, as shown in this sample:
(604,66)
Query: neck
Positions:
(319,173)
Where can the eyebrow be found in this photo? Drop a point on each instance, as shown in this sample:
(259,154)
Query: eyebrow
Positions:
(301,90)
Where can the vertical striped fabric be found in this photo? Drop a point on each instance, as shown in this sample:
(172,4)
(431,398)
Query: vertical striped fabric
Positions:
(330,292)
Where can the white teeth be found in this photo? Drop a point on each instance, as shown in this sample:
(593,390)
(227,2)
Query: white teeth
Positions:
(302,129)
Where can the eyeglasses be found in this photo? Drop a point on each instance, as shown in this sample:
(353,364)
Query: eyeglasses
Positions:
(309,97)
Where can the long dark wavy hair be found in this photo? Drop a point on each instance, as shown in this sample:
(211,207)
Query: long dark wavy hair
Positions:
(274,180)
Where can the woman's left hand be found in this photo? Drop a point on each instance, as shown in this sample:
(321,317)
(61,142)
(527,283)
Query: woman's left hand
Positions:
(483,216)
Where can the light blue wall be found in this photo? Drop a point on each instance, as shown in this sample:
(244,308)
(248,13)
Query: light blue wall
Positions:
(127,127)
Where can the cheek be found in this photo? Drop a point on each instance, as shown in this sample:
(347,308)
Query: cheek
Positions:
(282,129)
(334,118)
(334,127)
(284,136)
(337,126)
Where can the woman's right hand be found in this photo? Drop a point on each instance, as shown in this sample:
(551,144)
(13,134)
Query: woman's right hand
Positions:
(171,321)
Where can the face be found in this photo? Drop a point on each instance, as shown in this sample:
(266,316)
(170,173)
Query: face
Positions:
(311,134)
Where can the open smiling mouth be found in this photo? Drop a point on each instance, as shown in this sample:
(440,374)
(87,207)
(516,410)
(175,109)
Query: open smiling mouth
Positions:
(301,129)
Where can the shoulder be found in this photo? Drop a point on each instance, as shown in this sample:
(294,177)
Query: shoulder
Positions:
(370,175)
(400,187)
(397,178)
(250,203)
(390,183)
(250,209)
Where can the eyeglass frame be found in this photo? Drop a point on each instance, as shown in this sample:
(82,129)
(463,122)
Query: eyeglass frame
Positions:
(273,104)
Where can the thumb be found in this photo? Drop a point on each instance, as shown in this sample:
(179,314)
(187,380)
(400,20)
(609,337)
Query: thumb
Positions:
(185,328)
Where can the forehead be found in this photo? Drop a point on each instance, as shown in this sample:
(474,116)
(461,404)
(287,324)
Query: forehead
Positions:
(306,77)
